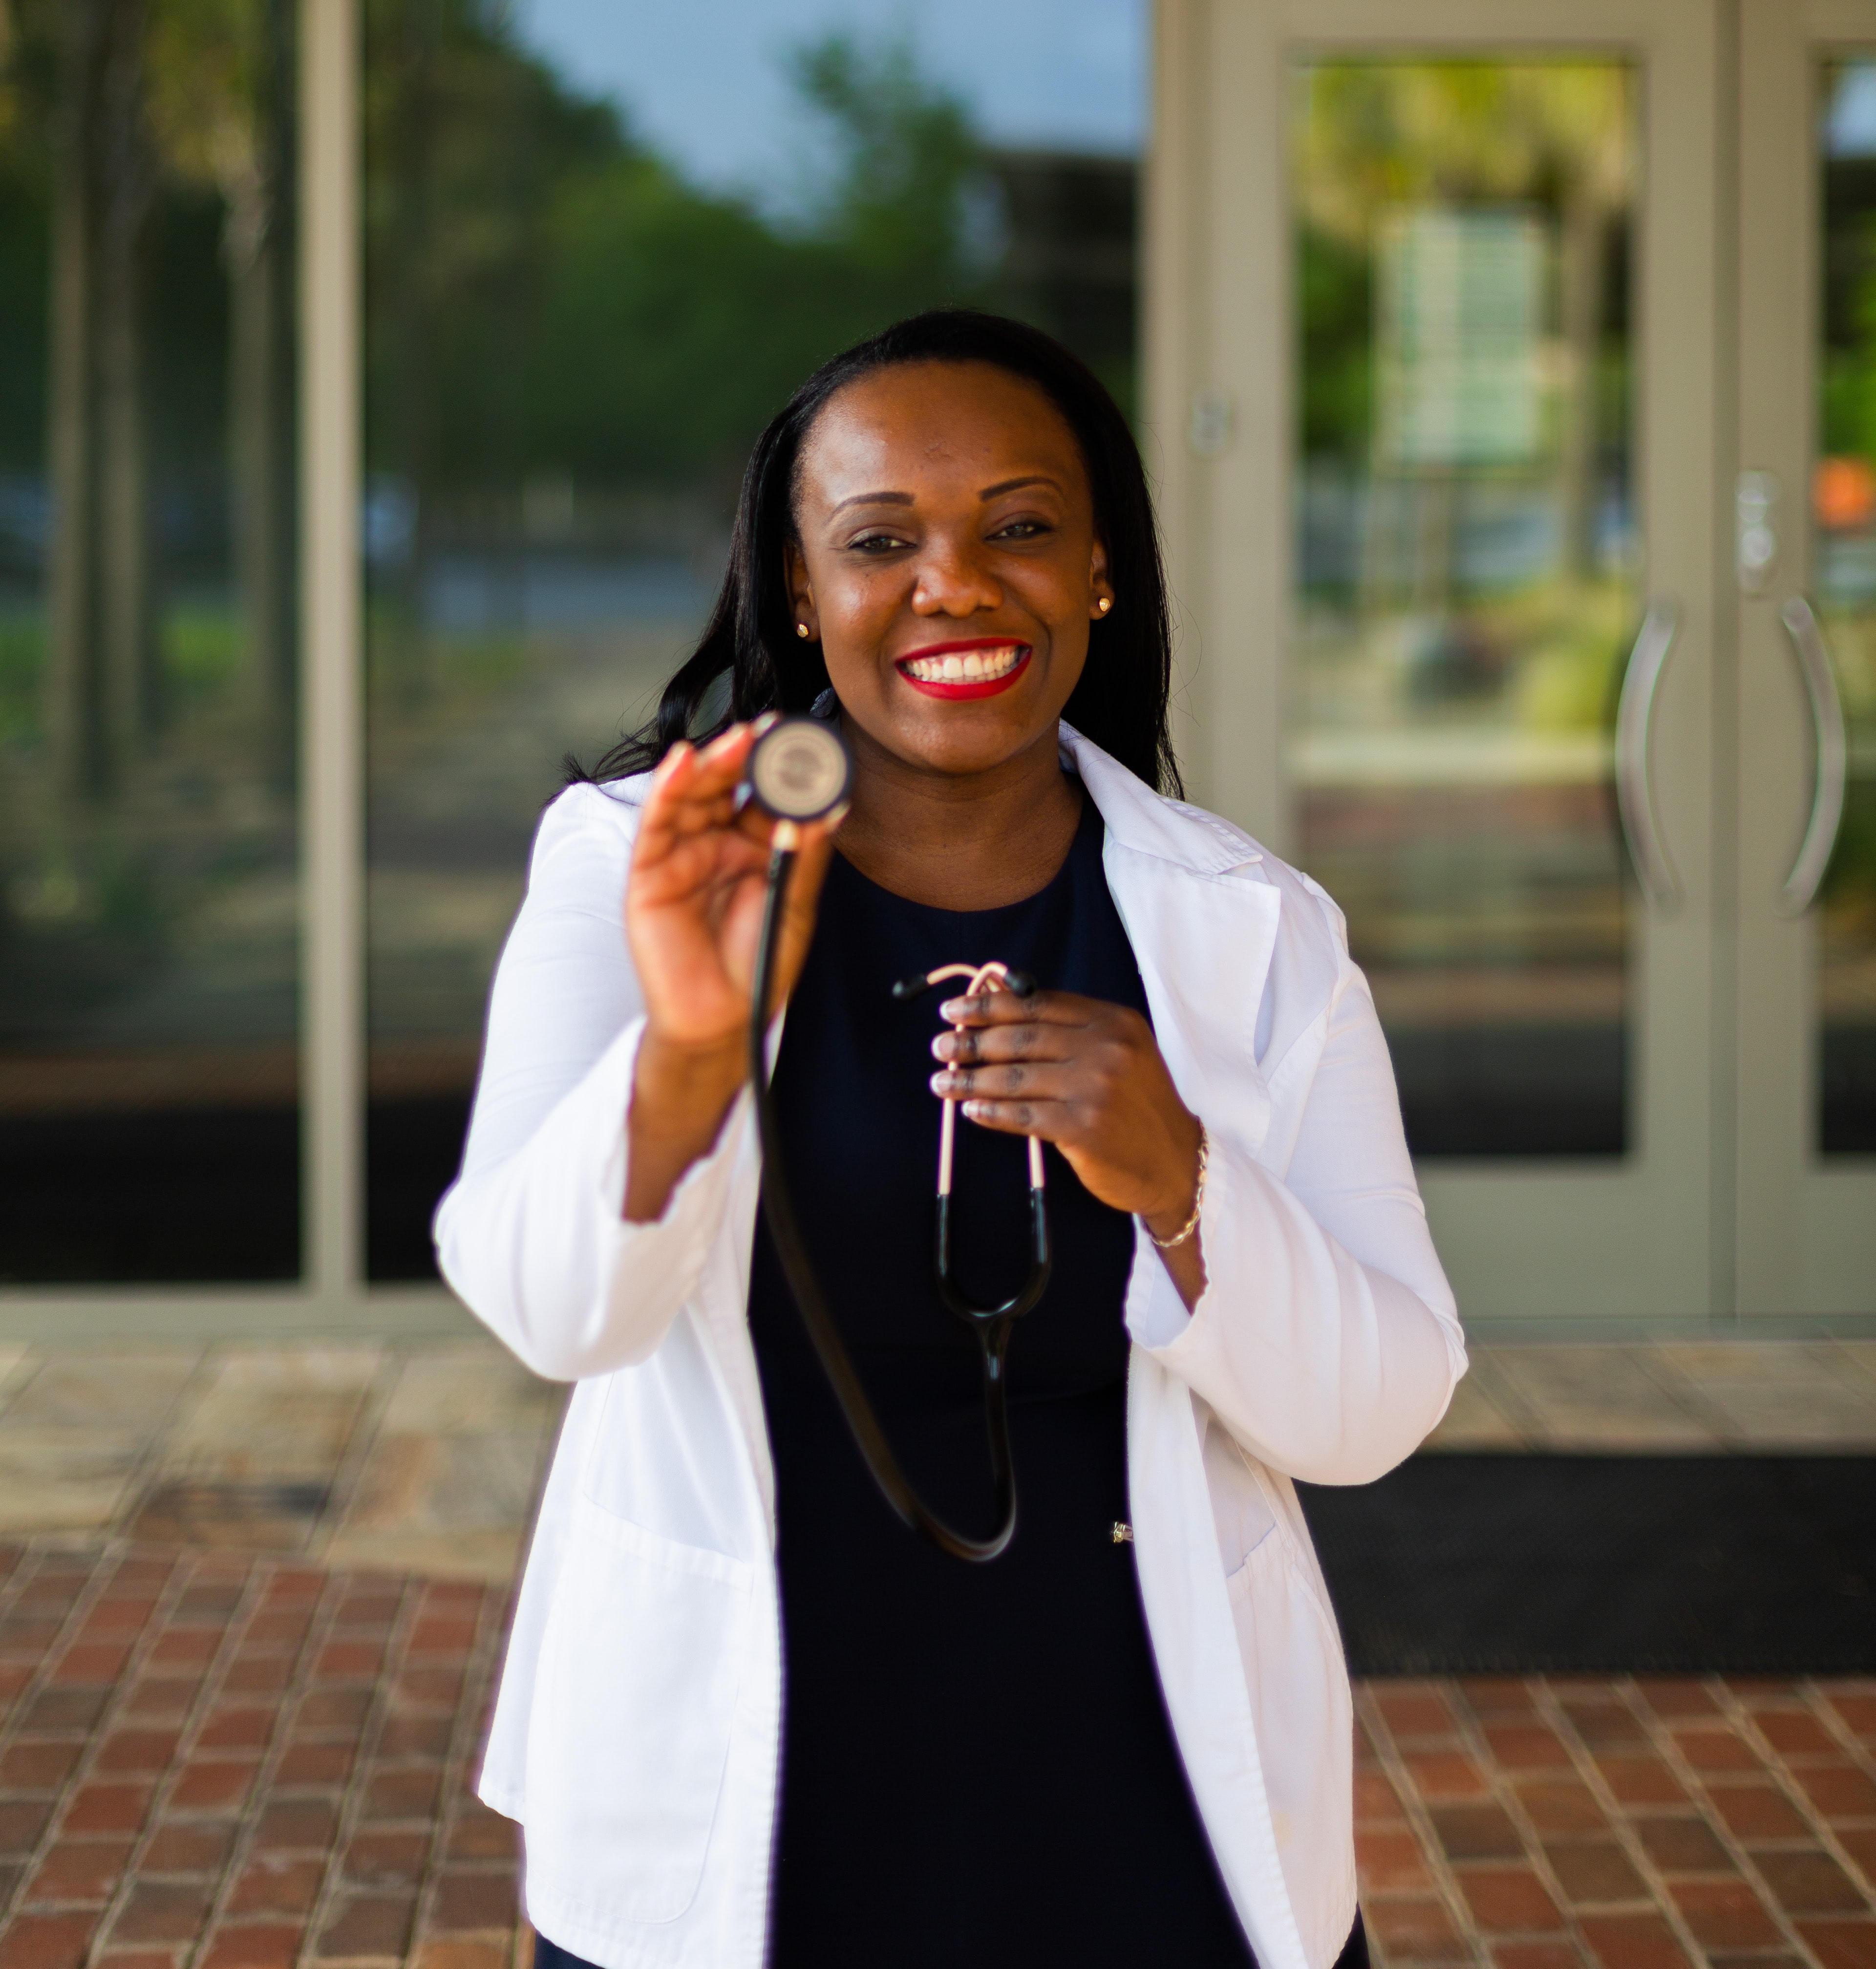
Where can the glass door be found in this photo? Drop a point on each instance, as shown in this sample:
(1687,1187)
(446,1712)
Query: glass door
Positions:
(1448,550)
(1806,554)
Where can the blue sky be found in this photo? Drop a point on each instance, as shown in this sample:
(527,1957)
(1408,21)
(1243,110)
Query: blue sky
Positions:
(700,78)
(1852,118)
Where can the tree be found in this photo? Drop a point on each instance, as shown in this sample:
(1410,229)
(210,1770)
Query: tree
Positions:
(905,158)
(221,96)
(101,680)
(547,296)
(141,105)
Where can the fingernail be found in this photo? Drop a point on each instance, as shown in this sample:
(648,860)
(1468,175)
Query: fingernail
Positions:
(941,1046)
(836,815)
(954,1008)
(976,1110)
(763,723)
(940,1082)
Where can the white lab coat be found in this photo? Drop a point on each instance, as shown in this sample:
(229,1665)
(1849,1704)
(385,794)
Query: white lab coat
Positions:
(637,1736)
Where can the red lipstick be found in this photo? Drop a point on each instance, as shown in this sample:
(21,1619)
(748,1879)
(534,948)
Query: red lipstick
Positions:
(979,666)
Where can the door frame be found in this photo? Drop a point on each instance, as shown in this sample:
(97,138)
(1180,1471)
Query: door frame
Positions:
(1804,1243)
(1650,1238)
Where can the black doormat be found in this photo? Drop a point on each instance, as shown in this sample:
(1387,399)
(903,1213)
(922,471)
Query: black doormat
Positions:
(1482,1565)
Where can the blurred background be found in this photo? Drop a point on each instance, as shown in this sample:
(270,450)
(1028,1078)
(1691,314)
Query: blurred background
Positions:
(597,245)
(580,311)
(599,249)
(1507,380)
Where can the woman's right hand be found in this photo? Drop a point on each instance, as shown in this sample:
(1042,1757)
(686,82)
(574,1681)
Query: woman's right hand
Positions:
(694,901)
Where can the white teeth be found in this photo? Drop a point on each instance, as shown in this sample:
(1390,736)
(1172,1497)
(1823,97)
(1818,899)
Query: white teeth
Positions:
(973,666)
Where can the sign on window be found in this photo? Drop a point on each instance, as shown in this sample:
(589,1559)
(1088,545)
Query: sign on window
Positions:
(1458,303)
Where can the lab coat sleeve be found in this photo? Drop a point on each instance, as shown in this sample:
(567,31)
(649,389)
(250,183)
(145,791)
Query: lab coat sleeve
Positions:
(532,1237)
(1327,1340)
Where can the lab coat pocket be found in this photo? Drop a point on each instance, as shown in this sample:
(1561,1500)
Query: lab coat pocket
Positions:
(1304,1721)
(641,1664)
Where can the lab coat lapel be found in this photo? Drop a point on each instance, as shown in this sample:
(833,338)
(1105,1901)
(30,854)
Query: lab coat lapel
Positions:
(1202,919)
(1203,944)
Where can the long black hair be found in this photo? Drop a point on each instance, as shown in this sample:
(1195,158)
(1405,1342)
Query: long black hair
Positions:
(1121,701)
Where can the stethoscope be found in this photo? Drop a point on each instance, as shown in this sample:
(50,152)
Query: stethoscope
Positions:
(798,771)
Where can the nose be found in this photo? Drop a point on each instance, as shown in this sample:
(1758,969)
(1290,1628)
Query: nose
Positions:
(952,580)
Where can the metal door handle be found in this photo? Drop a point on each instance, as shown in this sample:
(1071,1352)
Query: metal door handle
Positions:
(1820,686)
(1634,785)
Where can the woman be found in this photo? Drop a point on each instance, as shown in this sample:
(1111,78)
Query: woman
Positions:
(1129,1737)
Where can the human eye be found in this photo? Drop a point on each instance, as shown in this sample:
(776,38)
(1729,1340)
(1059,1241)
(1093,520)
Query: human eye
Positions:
(1027,528)
(876,543)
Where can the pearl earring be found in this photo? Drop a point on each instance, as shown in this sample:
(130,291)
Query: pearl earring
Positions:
(800,629)
(1105,603)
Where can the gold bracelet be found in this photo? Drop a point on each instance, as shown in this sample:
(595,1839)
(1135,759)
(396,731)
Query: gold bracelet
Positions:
(1198,1201)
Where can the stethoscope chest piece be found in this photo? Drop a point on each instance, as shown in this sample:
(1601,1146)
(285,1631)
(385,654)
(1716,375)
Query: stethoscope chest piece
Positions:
(799,770)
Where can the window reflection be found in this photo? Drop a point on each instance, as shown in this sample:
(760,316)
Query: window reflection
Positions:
(148,884)
(573,340)
(1466,575)
(1844,502)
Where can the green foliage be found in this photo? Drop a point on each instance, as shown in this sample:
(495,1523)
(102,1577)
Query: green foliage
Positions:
(671,327)
(26,64)
(186,331)
(467,139)
(22,672)
(1849,885)
(545,295)
(202,652)
(904,152)
(1334,292)
(1849,378)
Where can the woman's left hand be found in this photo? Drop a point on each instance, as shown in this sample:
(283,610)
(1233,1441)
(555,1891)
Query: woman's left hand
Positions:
(1088,1077)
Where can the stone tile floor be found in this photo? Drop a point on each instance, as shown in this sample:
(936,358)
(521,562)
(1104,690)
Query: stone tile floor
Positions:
(251,1604)
(1685,1395)
(413,1458)
(425,1457)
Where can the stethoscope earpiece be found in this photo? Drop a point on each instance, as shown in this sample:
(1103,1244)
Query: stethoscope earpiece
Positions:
(1019,984)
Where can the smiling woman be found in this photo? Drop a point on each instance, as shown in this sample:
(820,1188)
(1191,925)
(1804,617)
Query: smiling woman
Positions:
(1046,407)
(994,532)
(945,543)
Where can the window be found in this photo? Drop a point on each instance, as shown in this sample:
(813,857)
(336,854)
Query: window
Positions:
(261,837)
(149,861)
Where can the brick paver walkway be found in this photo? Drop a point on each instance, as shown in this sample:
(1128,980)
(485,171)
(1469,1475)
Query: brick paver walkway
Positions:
(210,1758)
(1550,1822)
(215,1761)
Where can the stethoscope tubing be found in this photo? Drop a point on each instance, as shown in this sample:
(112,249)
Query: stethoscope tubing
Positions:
(981,977)
(993,1326)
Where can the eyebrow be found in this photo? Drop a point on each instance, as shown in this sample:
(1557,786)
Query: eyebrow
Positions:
(1016,484)
(906,499)
(875,499)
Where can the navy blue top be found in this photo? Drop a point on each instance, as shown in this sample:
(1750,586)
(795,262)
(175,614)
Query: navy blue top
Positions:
(976,1763)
